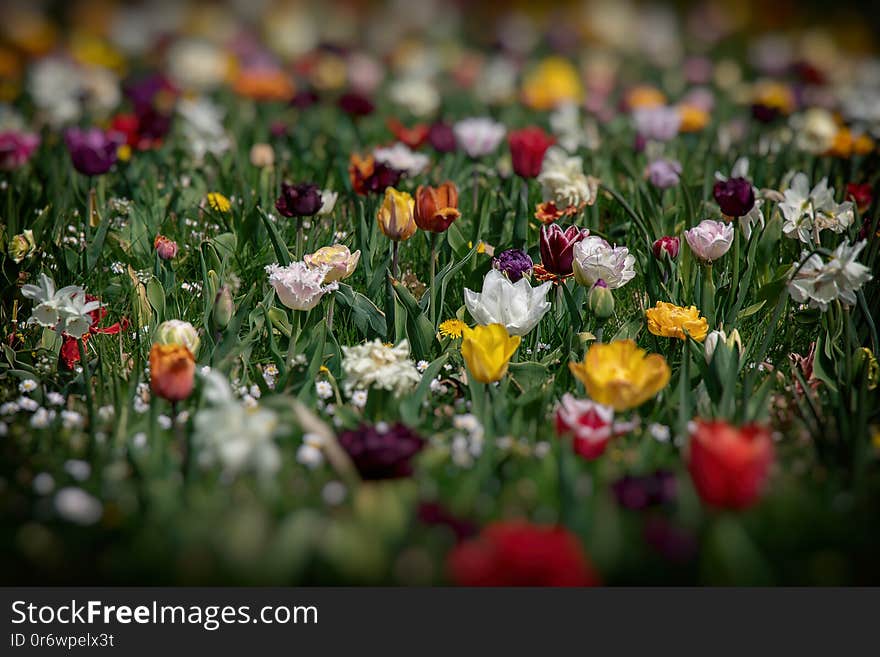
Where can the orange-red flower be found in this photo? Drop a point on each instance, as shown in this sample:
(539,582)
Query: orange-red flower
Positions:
(264,84)
(172,371)
(367,175)
(436,207)
(412,137)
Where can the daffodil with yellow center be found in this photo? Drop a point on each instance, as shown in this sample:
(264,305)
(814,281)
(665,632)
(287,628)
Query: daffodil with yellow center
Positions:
(671,321)
(395,216)
(620,375)
(487,351)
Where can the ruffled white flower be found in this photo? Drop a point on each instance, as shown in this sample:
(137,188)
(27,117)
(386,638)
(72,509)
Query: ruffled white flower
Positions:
(298,286)
(564,182)
(820,283)
(518,306)
(754,217)
(814,130)
(65,310)
(376,365)
(595,259)
(479,136)
(572,132)
(809,211)
(233,436)
(403,158)
(203,127)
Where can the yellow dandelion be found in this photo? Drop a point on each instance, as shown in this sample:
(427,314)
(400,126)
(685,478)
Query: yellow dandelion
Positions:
(218,202)
(452,328)
(124,153)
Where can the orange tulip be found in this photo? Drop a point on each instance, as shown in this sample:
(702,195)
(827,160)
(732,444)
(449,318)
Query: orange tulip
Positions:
(172,371)
(436,207)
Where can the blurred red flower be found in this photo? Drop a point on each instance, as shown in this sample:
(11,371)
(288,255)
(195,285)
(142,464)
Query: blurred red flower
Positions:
(527,148)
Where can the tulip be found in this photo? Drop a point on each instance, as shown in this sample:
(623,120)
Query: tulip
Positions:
(735,196)
(298,286)
(340,261)
(668,246)
(589,424)
(367,175)
(21,246)
(553,82)
(479,136)
(356,104)
(172,371)
(600,300)
(176,331)
(300,200)
(487,351)
(671,321)
(557,247)
(16,148)
(382,451)
(710,240)
(527,149)
(441,136)
(729,465)
(224,307)
(517,306)
(862,195)
(436,207)
(396,215)
(714,338)
(165,247)
(620,375)
(515,263)
(262,155)
(595,259)
(92,151)
(664,174)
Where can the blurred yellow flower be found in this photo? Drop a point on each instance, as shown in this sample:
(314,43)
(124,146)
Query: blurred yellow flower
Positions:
(395,216)
(218,202)
(124,153)
(452,328)
(774,95)
(487,351)
(554,81)
(644,96)
(671,321)
(620,375)
(693,118)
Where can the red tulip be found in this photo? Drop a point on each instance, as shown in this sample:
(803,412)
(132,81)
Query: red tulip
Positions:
(527,148)
(862,195)
(667,245)
(521,554)
(412,137)
(729,465)
(436,207)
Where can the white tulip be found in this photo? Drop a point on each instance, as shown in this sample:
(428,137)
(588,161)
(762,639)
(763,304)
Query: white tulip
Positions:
(518,306)
(595,259)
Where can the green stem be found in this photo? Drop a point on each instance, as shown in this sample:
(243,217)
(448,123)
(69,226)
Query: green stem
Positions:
(87,384)
(431,290)
(299,238)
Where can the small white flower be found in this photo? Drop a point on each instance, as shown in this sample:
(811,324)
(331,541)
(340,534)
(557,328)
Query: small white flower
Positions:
(27,404)
(403,158)
(43,483)
(421,366)
(334,493)
(659,432)
(71,419)
(77,506)
(79,470)
(359,398)
(324,389)
(55,399)
(28,385)
(310,456)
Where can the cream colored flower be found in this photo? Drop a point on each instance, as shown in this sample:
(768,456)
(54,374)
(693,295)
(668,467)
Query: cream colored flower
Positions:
(376,365)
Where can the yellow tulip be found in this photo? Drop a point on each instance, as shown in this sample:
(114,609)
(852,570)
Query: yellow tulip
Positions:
(671,321)
(553,82)
(620,375)
(487,351)
(693,118)
(338,258)
(395,217)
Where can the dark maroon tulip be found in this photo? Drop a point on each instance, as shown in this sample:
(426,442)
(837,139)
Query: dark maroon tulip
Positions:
(735,196)
(356,104)
(673,543)
(382,451)
(433,513)
(557,247)
(666,245)
(527,149)
(301,200)
(516,263)
(442,137)
(304,99)
(639,493)
(92,151)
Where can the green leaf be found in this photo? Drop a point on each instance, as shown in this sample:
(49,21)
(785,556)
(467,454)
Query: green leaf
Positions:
(278,245)
(156,297)
(418,327)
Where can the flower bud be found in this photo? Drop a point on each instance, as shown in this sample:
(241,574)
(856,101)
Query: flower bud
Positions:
(165,247)
(176,331)
(172,371)
(224,307)
(21,246)
(729,341)
(668,246)
(600,300)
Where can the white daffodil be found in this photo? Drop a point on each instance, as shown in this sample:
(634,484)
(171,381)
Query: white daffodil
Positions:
(65,310)
(808,211)
(596,259)
(820,283)
(518,306)
(75,314)
(233,436)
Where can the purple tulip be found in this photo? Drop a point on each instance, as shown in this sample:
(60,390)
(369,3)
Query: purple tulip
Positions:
(356,104)
(639,493)
(92,151)
(735,196)
(557,247)
(514,262)
(301,200)
(441,136)
(382,451)
(664,173)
